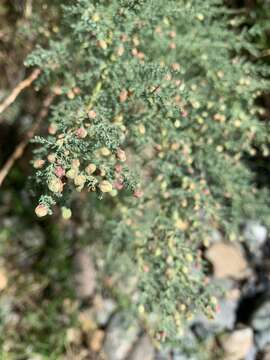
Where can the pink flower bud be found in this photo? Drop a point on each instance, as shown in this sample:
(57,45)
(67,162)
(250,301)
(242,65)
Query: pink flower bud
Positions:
(184,113)
(118,185)
(59,171)
(118,168)
(138,193)
(146,268)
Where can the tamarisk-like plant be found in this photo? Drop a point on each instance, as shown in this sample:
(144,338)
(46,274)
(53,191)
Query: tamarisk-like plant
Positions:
(157,116)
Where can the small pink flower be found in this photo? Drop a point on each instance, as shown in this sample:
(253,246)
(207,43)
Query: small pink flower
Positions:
(146,268)
(59,171)
(118,185)
(184,113)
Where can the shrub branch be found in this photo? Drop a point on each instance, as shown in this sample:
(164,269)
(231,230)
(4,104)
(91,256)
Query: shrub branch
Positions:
(18,89)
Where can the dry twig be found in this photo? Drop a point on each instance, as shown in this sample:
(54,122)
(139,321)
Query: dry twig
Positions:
(19,150)
(18,89)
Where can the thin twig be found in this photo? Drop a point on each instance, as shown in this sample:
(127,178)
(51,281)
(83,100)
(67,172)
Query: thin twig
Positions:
(19,150)
(18,89)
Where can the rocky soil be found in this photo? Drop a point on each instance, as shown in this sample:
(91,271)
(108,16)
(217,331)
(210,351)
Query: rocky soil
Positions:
(240,330)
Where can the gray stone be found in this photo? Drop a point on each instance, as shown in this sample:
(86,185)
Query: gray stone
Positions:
(261,325)
(85,274)
(224,319)
(263,338)
(266,354)
(162,355)
(216,236)
(237,344)
(143,350)
(122,334)
(254,231)
(187,349)
(252,354)
(33,238)
(103,311)
(228,261)
(255,236)
(182,356)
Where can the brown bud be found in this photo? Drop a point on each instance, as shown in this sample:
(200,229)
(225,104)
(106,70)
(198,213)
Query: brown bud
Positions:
(38,164)
(57,90)
(60,142)
(102,44)
(92,114)
(120,50)
(76,90)
(51,158)
(172,34)
(123,96)
(81,133)
(75,163)
(142,129)
(105,151)
(71,95)
(41,210)
(71,173)
(175,66)
(90,169)
(66,213)
(102,171)
(52,129)
(134,52)
(121,155)
(55,185)
(79,180)
(105,186)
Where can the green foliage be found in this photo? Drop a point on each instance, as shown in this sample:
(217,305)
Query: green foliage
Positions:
(157,99)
